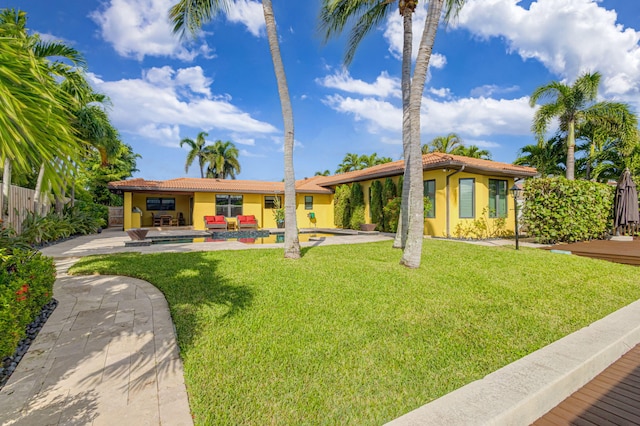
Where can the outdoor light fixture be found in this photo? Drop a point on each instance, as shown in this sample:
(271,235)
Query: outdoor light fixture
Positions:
(515,191)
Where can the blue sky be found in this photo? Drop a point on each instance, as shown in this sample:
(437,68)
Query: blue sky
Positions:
(485,66)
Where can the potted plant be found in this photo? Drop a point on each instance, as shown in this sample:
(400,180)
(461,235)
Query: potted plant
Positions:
(278,212)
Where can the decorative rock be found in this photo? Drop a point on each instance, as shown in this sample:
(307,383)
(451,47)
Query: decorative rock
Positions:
(10,363)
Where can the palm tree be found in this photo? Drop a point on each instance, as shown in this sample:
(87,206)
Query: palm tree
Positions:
(366,14)
(189,16)
(197,151)
(472,151)
(35,119)
(548,157)
(324,173)
(223,160)
(412,253)
(335,15)
(372,160)
(575,107)
(445,144)
(350,162)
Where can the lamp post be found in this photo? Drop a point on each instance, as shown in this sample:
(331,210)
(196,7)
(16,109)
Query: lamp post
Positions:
(515,191)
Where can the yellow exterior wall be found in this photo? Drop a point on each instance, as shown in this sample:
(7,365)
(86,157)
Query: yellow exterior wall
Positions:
(322,209)
(323,206)
(204,204)
(127,210)
(481,203)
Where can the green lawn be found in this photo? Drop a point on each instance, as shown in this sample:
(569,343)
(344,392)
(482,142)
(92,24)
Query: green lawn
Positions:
(347,336)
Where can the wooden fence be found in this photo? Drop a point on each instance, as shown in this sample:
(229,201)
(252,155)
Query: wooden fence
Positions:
(20,202)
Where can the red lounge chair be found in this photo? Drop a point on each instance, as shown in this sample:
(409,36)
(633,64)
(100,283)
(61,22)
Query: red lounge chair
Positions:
(247,222)
(215,222)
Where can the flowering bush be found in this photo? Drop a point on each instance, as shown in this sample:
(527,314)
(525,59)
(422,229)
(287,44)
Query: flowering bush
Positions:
(26,285)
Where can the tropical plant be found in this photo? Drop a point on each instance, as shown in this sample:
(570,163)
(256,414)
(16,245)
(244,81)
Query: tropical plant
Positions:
(323,173)
(188,16)
(35,115)
(412,253)
(366,15)
(472,151)
(197,151)
(350,162)
(446,144)
(223,160)
(575,107)
(278,210)
(547,156)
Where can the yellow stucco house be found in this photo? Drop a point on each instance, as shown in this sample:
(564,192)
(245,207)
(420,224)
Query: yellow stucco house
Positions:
(461,189)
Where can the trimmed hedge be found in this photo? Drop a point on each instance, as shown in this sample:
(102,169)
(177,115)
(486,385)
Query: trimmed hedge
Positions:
(26,285)
(560,210)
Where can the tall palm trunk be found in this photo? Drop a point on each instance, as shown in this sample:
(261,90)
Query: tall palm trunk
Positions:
(403,222)
(413,249)
(291,242)
(6,191)
(38,193)
(571,150)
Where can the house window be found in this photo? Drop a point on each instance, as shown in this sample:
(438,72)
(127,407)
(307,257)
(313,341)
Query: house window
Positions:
(270,201)
(160,204)
(497,198)
(430,193)
(467,197)
(308,202)
(228,205)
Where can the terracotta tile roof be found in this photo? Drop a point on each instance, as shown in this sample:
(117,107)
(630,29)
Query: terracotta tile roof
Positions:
(215,185)
(434,160)
(320,184)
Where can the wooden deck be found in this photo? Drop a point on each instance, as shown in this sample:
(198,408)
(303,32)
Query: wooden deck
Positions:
(612,398)
(627,252)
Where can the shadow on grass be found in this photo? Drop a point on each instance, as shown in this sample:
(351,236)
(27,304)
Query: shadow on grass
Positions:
(196,285)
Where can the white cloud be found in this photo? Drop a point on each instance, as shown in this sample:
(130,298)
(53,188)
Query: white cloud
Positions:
(394,34)
(568,37)
(250,14)
(470,116)
(243,140)
(488,90)
(165,100)
(443,92)
(384,86)
(481,143)
(246,153)
(139,28)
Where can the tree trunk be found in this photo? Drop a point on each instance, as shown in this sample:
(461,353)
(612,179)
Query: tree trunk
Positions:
(403,222)
(571,150)
(6,191)
(291,242)
(413,250)
(38,194)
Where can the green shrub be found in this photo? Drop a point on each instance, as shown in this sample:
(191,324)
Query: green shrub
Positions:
(357,217)
(392,214)
(560,210)
(389,191)
(26,285)
(356,207)
(377,205)
(341,206)
(482,228)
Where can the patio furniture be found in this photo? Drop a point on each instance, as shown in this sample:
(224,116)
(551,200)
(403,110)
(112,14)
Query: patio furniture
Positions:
(165,220)
(215,222)
(247,222)
(157,220)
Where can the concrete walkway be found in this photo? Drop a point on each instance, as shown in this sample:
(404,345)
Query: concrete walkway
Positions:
(106,356)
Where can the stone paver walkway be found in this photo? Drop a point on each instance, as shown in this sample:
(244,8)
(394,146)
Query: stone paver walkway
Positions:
(106,356)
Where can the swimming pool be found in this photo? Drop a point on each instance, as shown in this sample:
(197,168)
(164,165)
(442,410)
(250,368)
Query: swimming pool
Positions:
(245,237)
